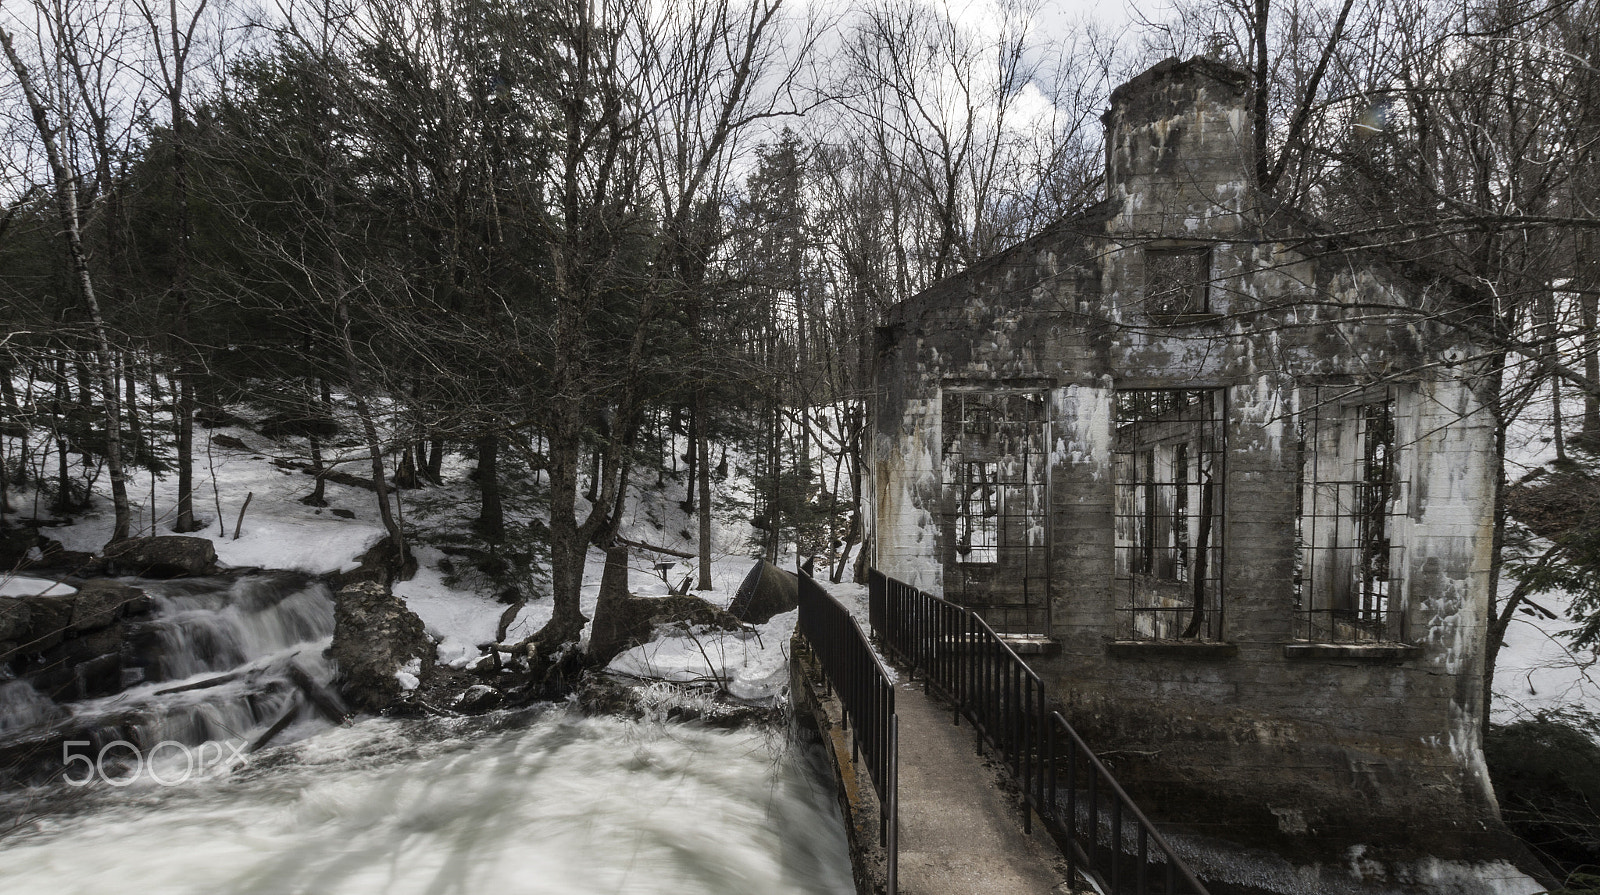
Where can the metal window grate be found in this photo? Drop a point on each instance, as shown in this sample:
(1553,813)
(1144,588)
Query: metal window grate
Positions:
(1168,463)
(1347,562)
(997,558)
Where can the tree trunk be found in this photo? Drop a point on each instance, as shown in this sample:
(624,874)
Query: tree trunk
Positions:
(436,459)
(322,399)
(67,205)
(5,471)
(135,426)
(1259,86)
(369,428)
(592,493)
(691,456)
(1590,304)
(185,407)
(406,475)
(8,394)
(491,522)
(568,546)
(703,455)
(774,479)
(1496,632)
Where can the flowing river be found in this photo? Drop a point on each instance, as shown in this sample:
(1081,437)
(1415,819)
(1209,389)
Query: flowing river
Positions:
(542,801)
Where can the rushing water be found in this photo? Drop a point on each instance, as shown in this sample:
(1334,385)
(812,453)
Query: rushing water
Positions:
(216,660)
(559,804)
(534,802)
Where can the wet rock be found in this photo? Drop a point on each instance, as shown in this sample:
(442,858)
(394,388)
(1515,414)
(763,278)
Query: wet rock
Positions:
(168,556)
(374,637)
(48,621)
(381,564)
(100,603)
(622,620)
(478,698)
(65,681)
(14,616)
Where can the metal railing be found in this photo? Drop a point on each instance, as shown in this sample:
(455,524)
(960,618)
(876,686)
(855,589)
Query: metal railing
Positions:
(866,691)
(1103,833)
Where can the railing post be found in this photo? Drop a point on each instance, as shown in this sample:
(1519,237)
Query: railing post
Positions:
(893,808)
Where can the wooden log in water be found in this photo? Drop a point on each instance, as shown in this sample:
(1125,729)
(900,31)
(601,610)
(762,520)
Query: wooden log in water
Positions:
(278,725)
(320,696)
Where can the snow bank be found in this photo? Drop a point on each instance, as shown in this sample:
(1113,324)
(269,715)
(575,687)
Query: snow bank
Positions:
(749,664)
(21,586)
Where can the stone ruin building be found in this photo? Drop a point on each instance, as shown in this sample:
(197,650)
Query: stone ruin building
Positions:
(1229,485)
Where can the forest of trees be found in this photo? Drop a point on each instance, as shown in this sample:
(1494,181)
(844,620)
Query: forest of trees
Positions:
(599,240)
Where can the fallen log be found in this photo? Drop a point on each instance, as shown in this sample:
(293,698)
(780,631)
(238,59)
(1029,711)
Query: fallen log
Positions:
(278,725)
(217,681)
(640,545)
(319,695)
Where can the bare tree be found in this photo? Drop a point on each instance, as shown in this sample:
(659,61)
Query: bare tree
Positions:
(53,127)
(172,39)
(979,121)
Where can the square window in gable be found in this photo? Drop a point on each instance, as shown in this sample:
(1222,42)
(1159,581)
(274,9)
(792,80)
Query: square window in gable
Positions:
(1177,282)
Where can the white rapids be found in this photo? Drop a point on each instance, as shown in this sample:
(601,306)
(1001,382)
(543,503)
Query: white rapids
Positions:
(543,802)
(560,804)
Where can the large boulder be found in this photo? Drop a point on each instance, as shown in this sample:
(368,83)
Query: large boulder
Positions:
(622,620)
(14,618)
(766,591)
(101,603)
(49,619)
(169,556)
(376,639)
(70,643)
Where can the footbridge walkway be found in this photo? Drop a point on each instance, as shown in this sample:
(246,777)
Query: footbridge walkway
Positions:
(933,736)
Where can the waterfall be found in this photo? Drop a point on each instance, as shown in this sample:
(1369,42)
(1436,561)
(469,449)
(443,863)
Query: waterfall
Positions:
(219,660)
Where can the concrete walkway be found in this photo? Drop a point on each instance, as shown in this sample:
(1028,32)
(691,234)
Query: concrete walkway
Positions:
(959,833)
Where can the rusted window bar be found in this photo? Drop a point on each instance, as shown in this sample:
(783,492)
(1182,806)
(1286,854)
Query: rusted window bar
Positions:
(960,657)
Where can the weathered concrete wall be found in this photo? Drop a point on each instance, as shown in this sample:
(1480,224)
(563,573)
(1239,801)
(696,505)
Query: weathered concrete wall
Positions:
(1325,754)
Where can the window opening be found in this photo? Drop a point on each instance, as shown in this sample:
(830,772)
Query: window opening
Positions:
(1168,465)
(1347,564)
(978,532)
(1177,282)
(997,561)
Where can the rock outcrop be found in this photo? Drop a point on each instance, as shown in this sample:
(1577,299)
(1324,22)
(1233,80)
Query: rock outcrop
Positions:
(375,639)
(169,556)
(72,645)
(766,591)
(100,603)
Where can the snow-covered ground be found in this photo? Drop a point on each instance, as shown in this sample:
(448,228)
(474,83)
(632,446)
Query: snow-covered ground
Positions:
(278,531)
(1537,670)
